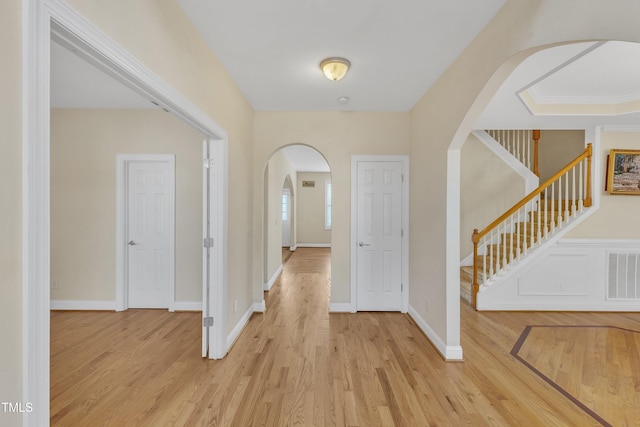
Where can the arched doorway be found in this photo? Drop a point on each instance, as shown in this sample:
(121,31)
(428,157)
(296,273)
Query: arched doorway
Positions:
(551,87)
(301,175)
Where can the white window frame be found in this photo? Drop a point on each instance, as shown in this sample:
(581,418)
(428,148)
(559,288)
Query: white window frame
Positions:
(286,193)
(328,196)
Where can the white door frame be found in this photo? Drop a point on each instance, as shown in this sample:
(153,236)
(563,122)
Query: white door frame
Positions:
(42,20)
(216,306)
(405,225)
(122,261)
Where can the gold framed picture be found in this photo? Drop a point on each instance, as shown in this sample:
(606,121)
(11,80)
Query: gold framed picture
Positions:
(623,172)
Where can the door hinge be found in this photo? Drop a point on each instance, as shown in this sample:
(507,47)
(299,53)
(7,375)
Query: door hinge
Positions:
(208,242)
(401,287)
(402,178)
(402,232)
(207,321)
(207,163)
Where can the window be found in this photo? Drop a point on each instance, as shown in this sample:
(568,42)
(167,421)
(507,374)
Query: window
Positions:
(285,206)
(327,205)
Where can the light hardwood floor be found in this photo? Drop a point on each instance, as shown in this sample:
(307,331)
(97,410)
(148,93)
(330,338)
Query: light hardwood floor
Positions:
(299,365)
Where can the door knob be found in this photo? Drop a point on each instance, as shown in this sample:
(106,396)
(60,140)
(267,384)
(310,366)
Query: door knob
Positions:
(132,243)
(361,244)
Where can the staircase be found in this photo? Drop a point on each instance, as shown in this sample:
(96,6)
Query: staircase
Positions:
(512,245)
(538,217)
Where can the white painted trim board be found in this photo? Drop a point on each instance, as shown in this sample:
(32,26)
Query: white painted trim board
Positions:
(40,18)
(272,280)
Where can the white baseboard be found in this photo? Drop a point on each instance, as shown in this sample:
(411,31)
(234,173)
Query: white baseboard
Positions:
(313,245)
(235,332)
(82,305)
(449,352)
(605,306)
(187,306)
(269,284)
(259,307)
(340,307)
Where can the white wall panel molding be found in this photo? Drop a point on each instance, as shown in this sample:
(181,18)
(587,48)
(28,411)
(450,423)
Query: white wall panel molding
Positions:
(570,275)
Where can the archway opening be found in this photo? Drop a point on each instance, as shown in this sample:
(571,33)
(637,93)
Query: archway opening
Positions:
(297,212)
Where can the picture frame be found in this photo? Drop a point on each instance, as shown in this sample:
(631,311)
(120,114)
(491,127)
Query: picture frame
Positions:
(623,172)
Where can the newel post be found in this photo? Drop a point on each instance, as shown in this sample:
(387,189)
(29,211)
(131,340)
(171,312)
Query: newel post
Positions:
(587,200)
(476,287)
(535,134)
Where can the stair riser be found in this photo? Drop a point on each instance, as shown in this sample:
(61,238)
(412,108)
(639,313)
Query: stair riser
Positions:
(522,242)
(546,204)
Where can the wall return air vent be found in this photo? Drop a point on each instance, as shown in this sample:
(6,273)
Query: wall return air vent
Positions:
(624,276)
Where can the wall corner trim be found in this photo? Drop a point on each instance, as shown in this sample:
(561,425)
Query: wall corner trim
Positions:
(448,352)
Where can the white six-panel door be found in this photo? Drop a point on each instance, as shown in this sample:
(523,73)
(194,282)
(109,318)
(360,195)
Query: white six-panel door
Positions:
(379,236)
(148,234)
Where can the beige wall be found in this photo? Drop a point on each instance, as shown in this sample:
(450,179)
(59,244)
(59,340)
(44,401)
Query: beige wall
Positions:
(84,145)
(278,170)
(158,33)
(338,136)
(446,113)
(10,208)
(488,188)
(617,216)
(311,207)
(556,149)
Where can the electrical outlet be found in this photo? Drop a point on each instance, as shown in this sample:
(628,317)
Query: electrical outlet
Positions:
(54,284)
(235,306)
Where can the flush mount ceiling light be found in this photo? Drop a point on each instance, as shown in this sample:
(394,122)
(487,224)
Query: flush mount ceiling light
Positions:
(335,68)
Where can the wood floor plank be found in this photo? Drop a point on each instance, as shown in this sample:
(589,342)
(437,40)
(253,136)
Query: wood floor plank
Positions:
(296,364)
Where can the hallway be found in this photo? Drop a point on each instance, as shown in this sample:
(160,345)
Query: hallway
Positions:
(299,365)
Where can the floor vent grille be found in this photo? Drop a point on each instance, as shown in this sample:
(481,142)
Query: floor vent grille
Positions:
(624,276)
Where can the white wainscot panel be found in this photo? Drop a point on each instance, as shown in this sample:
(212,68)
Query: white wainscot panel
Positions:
(557,275)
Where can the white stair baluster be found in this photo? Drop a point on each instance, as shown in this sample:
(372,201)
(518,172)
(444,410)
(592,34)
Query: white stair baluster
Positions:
(581,199)
(566,192)
(573,192)
(559,220)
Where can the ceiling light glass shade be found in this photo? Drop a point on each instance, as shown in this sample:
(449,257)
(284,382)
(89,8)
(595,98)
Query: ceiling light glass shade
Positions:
(335,68)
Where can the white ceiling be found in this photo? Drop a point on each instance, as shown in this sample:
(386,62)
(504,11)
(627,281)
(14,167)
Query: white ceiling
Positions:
(272,52)
(306,159)
(566,77)
(604,83)
(77,84)
(397,49)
